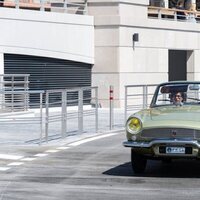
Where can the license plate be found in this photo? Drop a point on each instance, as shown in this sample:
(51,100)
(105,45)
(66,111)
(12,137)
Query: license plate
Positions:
(174,150)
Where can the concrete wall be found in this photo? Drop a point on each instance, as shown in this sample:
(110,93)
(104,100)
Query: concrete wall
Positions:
(118,63)
(56,35)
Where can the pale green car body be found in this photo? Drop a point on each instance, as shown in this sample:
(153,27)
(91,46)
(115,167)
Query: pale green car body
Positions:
(167,131)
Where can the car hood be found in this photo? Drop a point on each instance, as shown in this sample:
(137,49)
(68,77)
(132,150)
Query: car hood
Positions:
(178,113)
(179,116)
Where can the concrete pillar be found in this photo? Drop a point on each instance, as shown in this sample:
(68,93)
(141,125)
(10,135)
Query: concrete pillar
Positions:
(194,5)
(190,66)
(193,71)
(196,69)
(166,3)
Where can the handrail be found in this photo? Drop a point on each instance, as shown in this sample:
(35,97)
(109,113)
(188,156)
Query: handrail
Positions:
(16,75)
(47,5)
(173,9)
(137,97)
(162,13)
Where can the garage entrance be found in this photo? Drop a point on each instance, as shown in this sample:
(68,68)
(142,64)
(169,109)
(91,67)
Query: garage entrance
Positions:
(49,73)
(177,65)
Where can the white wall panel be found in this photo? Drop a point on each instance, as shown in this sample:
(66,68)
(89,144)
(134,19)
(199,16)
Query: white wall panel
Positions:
(56,35)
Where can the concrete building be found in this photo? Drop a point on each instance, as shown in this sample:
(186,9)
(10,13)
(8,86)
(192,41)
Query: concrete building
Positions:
(55,48)
(124,45)
(166,49)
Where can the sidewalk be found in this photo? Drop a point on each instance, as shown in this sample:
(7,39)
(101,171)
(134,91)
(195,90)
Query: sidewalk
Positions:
(29,133)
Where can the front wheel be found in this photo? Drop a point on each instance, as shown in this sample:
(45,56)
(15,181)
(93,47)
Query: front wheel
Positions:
(138,162)
(167,161)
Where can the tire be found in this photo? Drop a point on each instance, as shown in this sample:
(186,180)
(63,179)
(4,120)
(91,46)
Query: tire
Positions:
(138,162)
(167,161)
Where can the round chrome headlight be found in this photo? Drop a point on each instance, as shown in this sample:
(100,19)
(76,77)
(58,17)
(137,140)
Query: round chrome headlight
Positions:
(133,125)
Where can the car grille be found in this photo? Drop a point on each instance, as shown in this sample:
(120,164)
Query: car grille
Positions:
(171,133)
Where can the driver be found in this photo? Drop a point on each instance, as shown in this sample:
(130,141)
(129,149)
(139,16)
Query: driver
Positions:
(178,99)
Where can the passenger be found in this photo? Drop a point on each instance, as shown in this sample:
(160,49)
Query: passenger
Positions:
(1,3)
(172,3)
(181,14)
(178,99)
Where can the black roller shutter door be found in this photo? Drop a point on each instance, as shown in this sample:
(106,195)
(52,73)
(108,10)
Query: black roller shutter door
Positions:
(49,73)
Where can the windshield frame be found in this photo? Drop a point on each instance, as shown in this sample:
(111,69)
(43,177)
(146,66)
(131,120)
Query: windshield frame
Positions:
(173,84)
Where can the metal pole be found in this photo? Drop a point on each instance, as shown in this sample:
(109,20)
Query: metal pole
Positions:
(96,110)
(41,121)
(47,117)
(17,4)
(111,107)
(2,95)
(42,5)
(159,14)
(144,96)
(80,110)
(65,5)
(125,105)
(63,132)
(175,15)
(86,8)
(12,93)
(26,80)
(146,103)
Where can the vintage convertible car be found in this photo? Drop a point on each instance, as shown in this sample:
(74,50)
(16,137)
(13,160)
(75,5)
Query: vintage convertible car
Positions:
(169,129)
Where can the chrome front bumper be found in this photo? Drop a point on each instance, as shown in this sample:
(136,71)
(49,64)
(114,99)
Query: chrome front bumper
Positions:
(132,144)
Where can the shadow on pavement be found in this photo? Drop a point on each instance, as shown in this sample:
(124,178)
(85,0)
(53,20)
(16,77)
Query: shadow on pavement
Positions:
(120,170)
(175,169)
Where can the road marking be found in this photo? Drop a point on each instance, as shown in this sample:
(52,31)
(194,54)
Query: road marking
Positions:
(73,144)
(62,148)
(4,168)
(41,155)
(10,157)
(27,159)
(91,139)
(52,151)
(15,163)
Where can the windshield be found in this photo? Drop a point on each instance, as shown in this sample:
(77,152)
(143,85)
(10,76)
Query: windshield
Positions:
(177,94)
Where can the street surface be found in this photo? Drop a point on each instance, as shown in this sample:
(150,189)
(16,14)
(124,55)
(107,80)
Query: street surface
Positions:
(97,168)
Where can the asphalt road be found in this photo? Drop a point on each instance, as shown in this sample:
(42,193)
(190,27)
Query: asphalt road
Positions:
(92,170)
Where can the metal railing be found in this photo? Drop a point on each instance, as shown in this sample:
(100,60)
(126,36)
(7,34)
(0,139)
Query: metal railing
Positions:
(65,6)
(137,97)
(11,101)
(173,14)
(51,116)
(64,114)
(27,119)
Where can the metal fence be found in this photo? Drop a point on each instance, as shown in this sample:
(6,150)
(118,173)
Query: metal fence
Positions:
(61,113)
(9,100)
(137,97)
(42,115)
(70,119)
(24,124)
(66,6)
(173,14)
(50,118)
